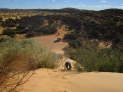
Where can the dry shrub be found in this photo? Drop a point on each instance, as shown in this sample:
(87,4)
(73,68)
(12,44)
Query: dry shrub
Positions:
(18,59)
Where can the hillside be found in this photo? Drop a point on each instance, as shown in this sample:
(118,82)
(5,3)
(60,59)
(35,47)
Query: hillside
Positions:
(91,40)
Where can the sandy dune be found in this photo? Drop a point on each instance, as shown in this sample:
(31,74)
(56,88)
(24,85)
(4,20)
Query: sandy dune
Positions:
(51,81)
(56,81)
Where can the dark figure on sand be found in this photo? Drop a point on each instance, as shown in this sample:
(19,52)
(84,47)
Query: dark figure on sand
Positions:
(68,65)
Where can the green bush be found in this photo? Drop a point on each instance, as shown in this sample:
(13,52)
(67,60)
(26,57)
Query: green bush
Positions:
(78,67)
(10,32)
(94,59)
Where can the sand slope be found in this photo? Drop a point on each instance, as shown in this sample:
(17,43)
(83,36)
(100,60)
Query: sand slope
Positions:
(51,81)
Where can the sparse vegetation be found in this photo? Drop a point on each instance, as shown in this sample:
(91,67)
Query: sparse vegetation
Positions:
(28,51)
(19,57)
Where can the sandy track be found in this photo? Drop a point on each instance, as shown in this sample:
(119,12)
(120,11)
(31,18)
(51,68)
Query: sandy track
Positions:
(51,81)
(48,41)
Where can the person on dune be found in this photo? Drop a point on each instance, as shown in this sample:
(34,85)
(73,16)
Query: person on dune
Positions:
(68,65)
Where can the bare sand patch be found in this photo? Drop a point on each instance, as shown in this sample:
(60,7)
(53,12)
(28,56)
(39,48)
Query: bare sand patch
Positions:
(51,81)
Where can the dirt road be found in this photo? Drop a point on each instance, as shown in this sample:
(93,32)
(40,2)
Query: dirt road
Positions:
(49,42)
